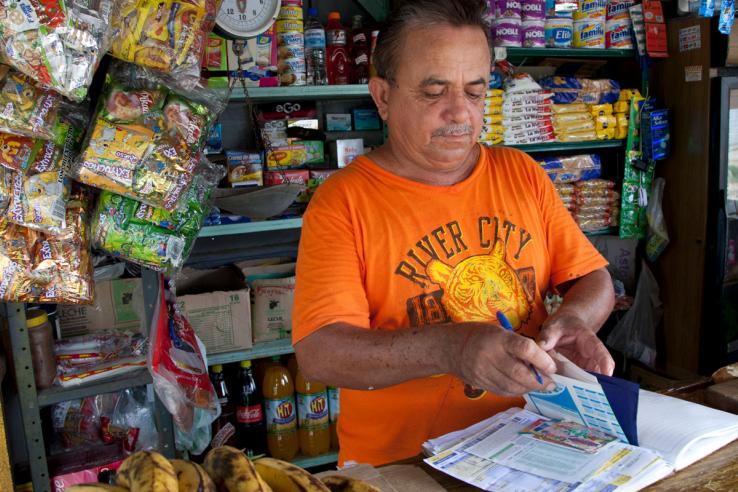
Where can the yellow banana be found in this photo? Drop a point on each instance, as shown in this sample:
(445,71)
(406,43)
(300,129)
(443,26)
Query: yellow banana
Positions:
(232,471)
(339,483)
(95,487)
(147,471)
(286,477)
(192,477)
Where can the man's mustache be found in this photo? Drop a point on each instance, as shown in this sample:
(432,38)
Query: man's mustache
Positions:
(453,130)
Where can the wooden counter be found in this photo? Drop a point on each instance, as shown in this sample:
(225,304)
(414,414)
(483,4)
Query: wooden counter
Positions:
(715,473)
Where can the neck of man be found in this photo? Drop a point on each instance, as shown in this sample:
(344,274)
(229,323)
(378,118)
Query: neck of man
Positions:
(390,159)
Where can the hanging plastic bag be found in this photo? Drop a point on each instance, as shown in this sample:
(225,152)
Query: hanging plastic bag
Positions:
(177,365)
(658,236)
(635,333)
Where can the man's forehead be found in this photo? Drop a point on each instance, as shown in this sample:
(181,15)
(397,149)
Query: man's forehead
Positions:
(440,80)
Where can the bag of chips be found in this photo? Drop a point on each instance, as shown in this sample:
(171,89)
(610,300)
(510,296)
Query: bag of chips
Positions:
(57,43)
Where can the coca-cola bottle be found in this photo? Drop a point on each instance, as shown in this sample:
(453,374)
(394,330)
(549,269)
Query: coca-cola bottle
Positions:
(223,429)
(359,53)
(250,423)
(337,57)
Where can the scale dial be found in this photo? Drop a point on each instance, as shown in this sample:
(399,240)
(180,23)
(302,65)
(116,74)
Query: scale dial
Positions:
(246,18)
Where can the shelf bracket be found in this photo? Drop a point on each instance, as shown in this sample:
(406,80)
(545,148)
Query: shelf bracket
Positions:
(377,8)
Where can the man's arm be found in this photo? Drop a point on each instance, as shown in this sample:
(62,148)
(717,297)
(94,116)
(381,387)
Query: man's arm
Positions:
(571,330)
(481,354)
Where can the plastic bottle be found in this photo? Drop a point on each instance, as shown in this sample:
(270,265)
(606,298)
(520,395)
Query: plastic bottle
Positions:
(280,412)
(373,46)
(359,53)
(315,49)
(41,339)
(250,425)
(334,410)
(224,429)
(337,58)
(292,366)
(312,415)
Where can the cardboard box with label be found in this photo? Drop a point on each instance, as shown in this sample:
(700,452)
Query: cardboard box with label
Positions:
(118,307)
(273,300)
(218,305)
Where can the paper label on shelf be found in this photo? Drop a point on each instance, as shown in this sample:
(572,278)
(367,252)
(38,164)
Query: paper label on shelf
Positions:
(693,73)
(690,38)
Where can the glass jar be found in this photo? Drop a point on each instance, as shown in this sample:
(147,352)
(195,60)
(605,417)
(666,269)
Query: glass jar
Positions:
(41,339)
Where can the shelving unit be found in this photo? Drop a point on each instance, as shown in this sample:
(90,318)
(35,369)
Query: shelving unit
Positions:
(571,146)
(258,351)
(568,53)
(266,94)
(311,461)
(250,227)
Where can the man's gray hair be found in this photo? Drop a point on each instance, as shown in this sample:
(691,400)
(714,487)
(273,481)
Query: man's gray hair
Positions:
(413,14)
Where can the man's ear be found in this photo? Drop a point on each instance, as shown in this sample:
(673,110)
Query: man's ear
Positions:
(379,89)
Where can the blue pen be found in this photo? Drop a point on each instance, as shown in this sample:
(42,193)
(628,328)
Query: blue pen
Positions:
(505,323)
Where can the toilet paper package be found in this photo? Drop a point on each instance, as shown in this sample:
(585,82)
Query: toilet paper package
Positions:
(507,9)
(507,32)
(533,10)
(558,32)
(589,34)
(591,10)
(619,34)
(533,33)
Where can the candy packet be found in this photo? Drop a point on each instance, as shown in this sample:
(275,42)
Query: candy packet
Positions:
(147,137)
(154,237)
(57,43)
(165,35)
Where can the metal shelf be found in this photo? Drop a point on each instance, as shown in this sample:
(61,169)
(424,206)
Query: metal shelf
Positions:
(569,53)
(602,232)
(258,351)
(568,146)
(250,227)
(311,461)
(57,394)
(301,92)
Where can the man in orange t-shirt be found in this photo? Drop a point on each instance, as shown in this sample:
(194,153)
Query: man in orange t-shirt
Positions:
(408,255)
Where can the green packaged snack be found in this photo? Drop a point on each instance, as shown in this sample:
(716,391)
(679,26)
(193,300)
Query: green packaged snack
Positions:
(636,181)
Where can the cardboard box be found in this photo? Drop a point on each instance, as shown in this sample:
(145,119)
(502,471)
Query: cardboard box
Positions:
(338,122)
(621,254)
(118,305)
(215,54)
(366,119)
(317,178)
(218,305)
(273,178)
(244,168)
(273,300)
(345,151)
(296,154)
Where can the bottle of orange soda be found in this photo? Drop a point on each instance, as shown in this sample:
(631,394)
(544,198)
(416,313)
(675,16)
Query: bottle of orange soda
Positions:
(312,415)
(279,407)
(334,410)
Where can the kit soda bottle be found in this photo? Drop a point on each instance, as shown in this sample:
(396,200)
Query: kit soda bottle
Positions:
(250,427)
(292,366)
(223,429)
(312,416)
(359,53)
(337,57)
(334,410)
(315,49)
(280,412)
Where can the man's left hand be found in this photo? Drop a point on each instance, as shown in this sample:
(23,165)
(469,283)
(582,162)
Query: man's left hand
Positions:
(568,334)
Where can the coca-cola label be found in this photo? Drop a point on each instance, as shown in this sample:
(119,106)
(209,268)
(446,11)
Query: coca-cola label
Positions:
(251,414)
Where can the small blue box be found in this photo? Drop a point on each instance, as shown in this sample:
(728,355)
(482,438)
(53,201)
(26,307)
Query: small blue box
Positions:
(366,119)
(338,122)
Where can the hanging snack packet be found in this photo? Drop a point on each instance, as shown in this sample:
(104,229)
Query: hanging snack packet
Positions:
(166,35)
(15,262)
(147,139)
(28,110)
(57,43)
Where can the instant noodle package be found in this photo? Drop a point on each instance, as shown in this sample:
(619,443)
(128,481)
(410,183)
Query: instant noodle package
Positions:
(59,43)
(166,35)
(147,139)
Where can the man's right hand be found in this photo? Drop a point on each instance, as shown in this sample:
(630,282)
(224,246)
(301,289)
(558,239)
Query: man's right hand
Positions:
(499,361)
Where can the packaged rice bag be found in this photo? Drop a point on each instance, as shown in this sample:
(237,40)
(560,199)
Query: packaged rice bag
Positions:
(579,136)
(147,139)
(165,35)
(569,169)
(568,90)
(57,43)
(155,238)
(29,110)
(559,109)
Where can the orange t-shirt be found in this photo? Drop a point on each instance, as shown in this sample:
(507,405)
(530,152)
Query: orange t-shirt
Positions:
(381,251)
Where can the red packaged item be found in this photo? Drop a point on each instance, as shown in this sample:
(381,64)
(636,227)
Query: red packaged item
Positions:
(177,366)
(299,177)
(60,483)
(656,37)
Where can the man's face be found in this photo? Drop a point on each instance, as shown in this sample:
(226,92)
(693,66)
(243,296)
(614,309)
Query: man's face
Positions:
(434,109)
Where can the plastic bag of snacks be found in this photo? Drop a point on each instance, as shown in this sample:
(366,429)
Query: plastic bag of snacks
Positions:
(573,89)
(147,139)
(166,35)
(29,110)
(57,43)
(38,199)
(155,238)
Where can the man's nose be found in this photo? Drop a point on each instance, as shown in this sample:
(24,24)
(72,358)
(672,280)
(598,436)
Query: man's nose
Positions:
(457,108)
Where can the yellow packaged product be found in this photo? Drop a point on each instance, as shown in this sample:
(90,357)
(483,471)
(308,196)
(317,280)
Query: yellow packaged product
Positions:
(574,126)
(622,107)
(565,118)
(600,109)
(493,129)
(606,133)
(569,108)
(492,110)
(495,93)
(581,136)
(491,138)
(621,126)
(492,119)
(605,122)
(493,101)
(627,94)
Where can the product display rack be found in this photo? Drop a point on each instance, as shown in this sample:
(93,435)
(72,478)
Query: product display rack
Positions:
(517,53)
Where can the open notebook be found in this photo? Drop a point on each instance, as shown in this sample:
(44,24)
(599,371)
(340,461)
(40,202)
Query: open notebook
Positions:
(494,455)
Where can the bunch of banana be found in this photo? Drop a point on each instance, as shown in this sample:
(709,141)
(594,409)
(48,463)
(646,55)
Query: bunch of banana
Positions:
(147,471)
(95,487)
(191,477)
(286,477)
(339,483)
(232,471)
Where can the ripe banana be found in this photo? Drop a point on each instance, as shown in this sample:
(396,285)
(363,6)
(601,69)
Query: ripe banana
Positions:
(286,477)
(95,487)
(232,471)
(147,471)
(192,477)
(339,483)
